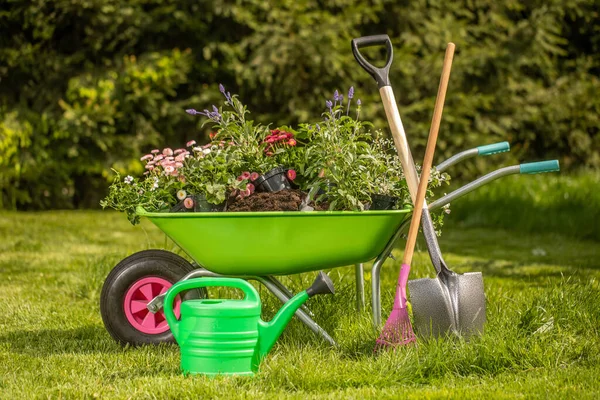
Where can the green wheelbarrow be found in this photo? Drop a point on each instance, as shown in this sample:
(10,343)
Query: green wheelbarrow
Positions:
(260,246)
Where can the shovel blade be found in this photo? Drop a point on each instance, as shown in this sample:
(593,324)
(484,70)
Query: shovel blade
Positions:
(470,303)
(431,306)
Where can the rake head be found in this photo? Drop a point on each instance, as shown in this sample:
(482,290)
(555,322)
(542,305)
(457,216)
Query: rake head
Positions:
(397,330)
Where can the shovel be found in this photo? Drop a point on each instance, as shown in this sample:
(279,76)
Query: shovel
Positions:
(451,302)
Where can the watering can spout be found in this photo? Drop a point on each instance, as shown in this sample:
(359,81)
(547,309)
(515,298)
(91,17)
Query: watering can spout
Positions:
(270,331)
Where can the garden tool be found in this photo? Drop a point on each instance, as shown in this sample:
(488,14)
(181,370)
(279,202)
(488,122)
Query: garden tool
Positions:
(228,337)
(460,308)
(397,329)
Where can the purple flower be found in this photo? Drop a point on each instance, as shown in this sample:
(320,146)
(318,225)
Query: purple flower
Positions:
(329,104)
(336,96)
(191,111)
(358,102)
(227,95)
(351,92)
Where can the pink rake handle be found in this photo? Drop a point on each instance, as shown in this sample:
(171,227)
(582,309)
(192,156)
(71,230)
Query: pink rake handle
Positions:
(400,299)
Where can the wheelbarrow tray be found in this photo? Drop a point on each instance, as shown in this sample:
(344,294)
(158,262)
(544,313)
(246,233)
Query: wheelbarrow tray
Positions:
(279,242)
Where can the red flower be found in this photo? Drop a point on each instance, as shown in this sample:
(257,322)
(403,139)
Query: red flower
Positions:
(240,178)
(212,135)
(292,142)
(245,175)
(254,176)
(291,174)
(275,132)
(289,135)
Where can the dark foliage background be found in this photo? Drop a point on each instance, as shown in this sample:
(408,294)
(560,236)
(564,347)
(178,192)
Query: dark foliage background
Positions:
(86,85)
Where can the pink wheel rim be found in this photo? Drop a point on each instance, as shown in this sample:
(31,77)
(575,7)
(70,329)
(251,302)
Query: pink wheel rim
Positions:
(138,296)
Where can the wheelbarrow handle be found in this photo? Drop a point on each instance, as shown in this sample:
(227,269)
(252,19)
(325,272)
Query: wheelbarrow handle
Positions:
(539,167)
(485,150)
(381,75)
(528,168)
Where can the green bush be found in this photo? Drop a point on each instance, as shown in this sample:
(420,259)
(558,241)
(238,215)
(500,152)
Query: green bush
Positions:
(87,85)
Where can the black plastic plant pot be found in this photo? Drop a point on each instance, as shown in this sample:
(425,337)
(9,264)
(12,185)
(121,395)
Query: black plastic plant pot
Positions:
(383,202)
(273,181)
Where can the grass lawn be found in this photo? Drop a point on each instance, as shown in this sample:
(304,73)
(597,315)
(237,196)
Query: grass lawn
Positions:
(542,338)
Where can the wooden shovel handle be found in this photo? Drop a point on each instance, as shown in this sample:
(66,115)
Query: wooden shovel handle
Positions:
(429,151)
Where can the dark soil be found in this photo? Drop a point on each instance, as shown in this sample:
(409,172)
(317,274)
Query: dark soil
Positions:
(284,200)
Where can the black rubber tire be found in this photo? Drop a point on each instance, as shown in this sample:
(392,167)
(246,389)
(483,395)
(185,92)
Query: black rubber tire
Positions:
(159,263)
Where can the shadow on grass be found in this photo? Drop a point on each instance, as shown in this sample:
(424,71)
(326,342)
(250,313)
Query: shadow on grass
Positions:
(83,340)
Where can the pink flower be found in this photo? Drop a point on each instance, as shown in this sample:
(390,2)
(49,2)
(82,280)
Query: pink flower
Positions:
(292,142)
(190,143)
(232,143)
(180,157)
(159,157)
(270,139)
(254,176)
(250,187)
(281,137)
(181,178)
(168,152)
(178,151)
(289,135)
(291,174)
(246,192)
(188,203)
(206,146)
(155,151)
(239,178)
(178,164)
(169,169)
(147,157)
(245,175)
(149,167)
(269,153)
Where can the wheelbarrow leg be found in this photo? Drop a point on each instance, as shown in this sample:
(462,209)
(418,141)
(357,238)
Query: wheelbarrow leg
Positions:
(360,286)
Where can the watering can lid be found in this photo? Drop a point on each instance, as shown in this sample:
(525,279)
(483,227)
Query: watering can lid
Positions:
(220,308)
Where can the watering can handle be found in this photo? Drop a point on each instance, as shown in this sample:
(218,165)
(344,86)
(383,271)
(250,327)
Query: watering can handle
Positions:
(381,75)
(249,291)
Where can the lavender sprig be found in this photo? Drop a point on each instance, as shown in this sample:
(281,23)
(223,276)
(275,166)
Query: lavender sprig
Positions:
(350,96)
(214,115)
(329,104)
(226,94)
(336,97)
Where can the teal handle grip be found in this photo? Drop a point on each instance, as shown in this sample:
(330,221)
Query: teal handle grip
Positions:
(539,167)
(495,148)
(244,286)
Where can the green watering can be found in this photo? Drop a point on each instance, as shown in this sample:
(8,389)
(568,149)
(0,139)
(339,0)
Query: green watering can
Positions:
(227,337)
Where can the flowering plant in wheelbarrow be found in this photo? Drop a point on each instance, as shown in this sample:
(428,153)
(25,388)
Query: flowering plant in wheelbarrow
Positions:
(355,167)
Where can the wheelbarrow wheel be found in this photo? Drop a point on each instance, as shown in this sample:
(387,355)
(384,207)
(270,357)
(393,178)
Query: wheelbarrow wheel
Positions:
(129,287)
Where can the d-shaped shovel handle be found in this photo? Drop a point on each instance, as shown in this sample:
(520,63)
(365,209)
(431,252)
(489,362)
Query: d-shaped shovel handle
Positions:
(381,75)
